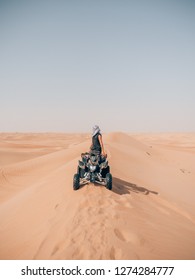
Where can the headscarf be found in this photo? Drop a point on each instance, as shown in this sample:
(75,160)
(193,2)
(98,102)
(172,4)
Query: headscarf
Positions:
(95,130)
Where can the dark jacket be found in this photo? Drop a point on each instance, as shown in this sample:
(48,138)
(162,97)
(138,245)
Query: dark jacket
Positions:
(96,147)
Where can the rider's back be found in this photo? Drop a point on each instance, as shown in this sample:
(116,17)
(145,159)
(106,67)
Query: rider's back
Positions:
(96,147)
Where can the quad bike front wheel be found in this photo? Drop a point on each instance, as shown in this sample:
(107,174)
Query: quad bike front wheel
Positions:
(81,172)
(76,180)
(105,171)
(109,181)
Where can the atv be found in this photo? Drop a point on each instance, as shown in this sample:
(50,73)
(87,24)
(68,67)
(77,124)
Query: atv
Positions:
(92,168)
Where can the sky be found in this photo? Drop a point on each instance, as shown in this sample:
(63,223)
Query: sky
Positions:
(126,65)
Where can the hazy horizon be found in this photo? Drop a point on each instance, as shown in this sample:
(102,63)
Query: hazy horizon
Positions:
(124,65)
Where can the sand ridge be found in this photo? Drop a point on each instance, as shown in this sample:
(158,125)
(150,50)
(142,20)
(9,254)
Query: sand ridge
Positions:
(149,214)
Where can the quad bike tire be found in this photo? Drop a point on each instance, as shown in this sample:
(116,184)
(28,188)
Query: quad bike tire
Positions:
(81,172)
(105,171)
(109,181)
(76,180)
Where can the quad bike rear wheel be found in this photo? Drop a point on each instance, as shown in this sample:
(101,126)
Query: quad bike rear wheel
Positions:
(76,180)
(109,181)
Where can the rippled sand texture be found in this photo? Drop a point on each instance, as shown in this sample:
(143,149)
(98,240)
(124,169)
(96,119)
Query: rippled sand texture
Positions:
(149,214)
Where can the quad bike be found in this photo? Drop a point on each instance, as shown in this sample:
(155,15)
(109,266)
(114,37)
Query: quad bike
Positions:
(92,168)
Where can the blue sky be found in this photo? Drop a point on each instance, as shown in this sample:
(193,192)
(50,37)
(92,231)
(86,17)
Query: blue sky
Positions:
(125,65)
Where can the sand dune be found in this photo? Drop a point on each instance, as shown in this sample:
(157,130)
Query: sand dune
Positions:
(149,214)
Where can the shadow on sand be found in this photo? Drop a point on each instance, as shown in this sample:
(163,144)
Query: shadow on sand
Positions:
(123,187)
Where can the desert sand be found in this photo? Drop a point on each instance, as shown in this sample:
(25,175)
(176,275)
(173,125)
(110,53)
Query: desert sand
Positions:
(149,213)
